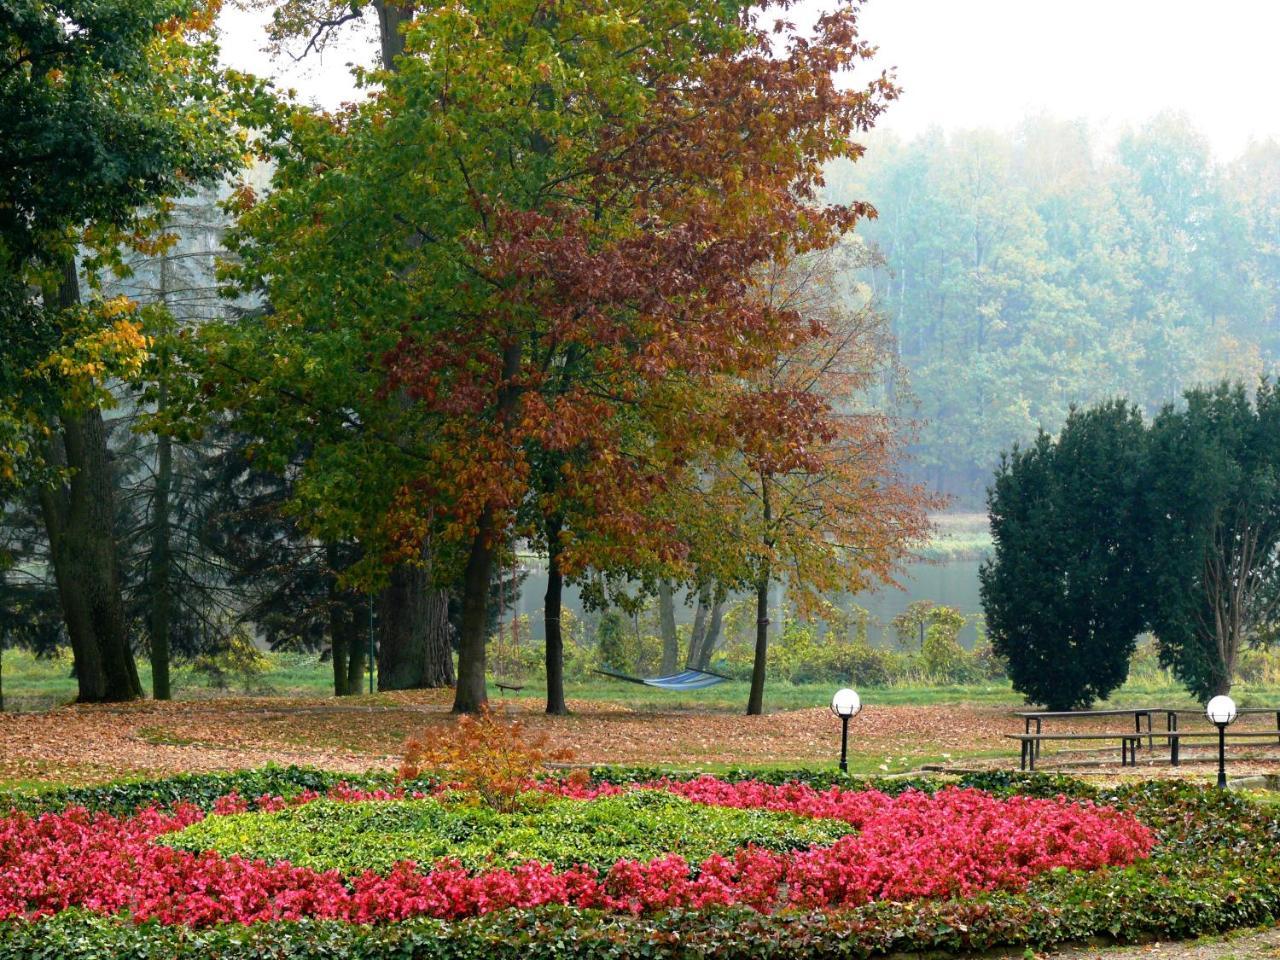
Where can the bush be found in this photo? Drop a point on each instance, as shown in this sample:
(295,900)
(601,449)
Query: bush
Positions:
(239,663)
(492,759)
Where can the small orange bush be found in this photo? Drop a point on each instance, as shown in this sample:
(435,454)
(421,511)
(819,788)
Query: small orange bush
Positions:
(493,759)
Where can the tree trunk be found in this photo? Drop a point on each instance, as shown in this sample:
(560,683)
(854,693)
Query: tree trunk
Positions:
(667,625)
(80,521)
(161,598)
(437,667)
(551,616)
(391,17)
(86,657)
(91,552)
(698,631)
(471,695)
(339,626)
(357,645)
(755,703)
(413,632)
(710,635)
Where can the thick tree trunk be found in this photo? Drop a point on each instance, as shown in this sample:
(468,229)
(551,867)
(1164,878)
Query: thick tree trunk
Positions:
(437,667)
(339,650)
(391,19)
(161,597)
(413,632)
(86,657)
(551,615)
(91,553)
(80,520)
(755,702)
(667,626)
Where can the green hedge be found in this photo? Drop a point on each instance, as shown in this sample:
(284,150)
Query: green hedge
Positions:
(203,789)
(1217,867)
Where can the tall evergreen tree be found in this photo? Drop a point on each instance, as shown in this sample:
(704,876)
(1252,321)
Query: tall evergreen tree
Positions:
(1063,594)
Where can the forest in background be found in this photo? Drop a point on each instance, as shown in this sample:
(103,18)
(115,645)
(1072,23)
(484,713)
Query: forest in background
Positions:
(1026,271)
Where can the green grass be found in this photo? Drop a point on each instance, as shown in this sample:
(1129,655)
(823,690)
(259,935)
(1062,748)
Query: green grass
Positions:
(40,683)
(640,825)
(32,683)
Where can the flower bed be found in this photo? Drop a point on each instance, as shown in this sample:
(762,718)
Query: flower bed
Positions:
(916,869)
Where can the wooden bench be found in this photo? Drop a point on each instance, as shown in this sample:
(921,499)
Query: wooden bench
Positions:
(1129,743)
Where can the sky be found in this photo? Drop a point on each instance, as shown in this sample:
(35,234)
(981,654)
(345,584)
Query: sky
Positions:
(990,63)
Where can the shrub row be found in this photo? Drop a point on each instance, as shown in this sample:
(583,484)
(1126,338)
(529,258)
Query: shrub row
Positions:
(1216,867)
(205,789)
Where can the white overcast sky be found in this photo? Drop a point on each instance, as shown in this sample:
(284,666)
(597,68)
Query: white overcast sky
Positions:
(969,63)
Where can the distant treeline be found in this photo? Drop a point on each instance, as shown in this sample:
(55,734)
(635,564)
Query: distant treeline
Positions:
(1029,270)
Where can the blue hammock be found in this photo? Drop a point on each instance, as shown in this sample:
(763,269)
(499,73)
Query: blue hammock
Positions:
(685,680)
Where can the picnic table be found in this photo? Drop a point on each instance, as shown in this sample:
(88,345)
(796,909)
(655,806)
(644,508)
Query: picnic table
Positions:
(1039,716)
(1130,743)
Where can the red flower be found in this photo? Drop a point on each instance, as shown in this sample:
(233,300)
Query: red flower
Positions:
(953,843)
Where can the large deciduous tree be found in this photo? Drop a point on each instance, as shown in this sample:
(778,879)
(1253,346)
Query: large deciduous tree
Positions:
(1063,594)
(106,109)
(531,245)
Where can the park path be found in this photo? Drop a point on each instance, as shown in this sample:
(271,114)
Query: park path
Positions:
(1248,945)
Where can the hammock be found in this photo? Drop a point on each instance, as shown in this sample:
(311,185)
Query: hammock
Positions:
(685,680)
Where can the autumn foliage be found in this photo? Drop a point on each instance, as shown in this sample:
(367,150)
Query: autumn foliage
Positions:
(492,759)
(505,287)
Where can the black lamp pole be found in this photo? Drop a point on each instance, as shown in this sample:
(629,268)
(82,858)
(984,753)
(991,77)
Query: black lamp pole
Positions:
(1222,755)
(844,743)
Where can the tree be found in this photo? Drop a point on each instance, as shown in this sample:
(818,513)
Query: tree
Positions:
(515,235)
(107,109)
(1027,270)
(812,491)
(1212,508)
(1064,593)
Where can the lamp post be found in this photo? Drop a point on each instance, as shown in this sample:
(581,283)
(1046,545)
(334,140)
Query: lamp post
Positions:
(845,704)
(1221,710)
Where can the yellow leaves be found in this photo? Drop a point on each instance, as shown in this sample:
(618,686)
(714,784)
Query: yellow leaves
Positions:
(107,341)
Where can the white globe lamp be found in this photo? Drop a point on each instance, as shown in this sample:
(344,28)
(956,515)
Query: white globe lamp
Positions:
(1221,711)
(845,704)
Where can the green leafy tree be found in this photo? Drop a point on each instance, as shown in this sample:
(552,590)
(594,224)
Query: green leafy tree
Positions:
(106,110)
(1063,595)
(1212,510)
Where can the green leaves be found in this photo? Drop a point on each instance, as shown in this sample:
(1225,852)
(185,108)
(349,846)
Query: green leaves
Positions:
(1063,594)
(640,826)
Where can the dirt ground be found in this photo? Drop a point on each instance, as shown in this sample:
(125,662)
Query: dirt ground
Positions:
(90,743)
